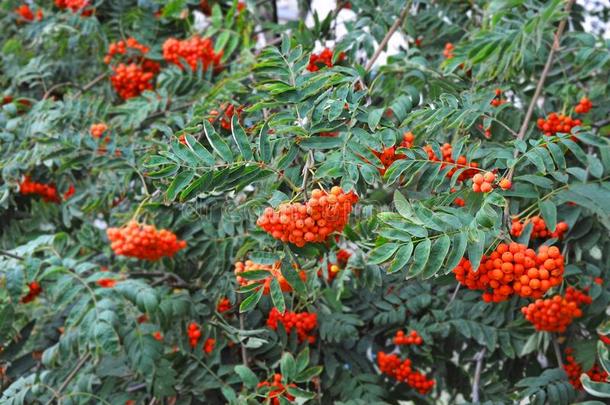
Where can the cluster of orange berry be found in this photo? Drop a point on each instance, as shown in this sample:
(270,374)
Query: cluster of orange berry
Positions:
(389,155)
(447,160)
(448,51)
(334,268)
(144,241)
(391,365)
(123,47)
(223,305)
(48,192)
(303,322)
(274,272)
(26,14)
(97,130)
(557,123)
(483,183)
(106,282)
(34,289)
(133,79)
(193,332)
(209,345)
(583,106)
(299,224)
(498,100)
(412,338)
(539,229)
(277,390)
(194,51)
(557,313)
(513,269)
(227,115)
(324,58)
(574,370)
(75,6)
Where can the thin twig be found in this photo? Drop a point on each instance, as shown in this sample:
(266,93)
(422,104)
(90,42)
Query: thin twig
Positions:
(244,351)
(90,84)
(386,39)
(72,374)
(557,350)
(457,288)
(477,374)
(11,255)
(308,163)
(537,92)
(55,87)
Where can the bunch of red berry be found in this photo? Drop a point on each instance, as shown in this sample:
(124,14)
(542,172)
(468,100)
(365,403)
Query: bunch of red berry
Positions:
(34,289)
(25,13)
(299,224)
(48,192)
(411,338)
(389,155)
(498,100)
(574,370)
(334,268)
(577,296)
(131,45)
(484,183)
(144,241)
(274,272)
(324,58)
(513,269)
(276,390)
(557,123)
(74,5)
(303,322)
(448,51)
(106,282)
(131,80)
(583,106)
(447,160)
(194,334)
(227,115)
(208,345)
(552,314)
(539,229)
(195,51)
(223,305)
(605,339)
(391,365)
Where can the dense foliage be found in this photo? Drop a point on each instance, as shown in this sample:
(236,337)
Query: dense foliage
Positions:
(188,217)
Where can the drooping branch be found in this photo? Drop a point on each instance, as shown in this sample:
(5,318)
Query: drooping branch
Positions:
(397,23)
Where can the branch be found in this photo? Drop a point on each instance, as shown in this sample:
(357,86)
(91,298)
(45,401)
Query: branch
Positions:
(244,351)
(557,350)
(477,374)
(90,84)
(386,39)
(72,374)
(457,288)
(11,255)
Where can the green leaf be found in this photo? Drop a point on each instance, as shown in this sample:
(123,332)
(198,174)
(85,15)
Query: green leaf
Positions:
(300,393)
(178,184)
(247,376)
(264,147)
(239,135)
(382,253)
(549,213)
(302,359)
(597,389)
(374,117)
(217,143)
(460,241)
(293,278)
(250,301)
(439,251)
(402,257)
(288,366)
(277,296)
(308,374)
(199,150)
(476,247)
(420,258)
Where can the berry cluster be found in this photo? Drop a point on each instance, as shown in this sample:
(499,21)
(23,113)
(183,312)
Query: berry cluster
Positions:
(539,229)
(276,390)
(157,336)
(498,100)
(223,305)
(324,58)
(144,241)
(97,130)
(334,268)
(391,365)
(577,296)
(34,289)
(552,314)
(583,106)
(274,272)
(75,6)
(131,80)
(448,51)
(412,338)
(227,114)
(604,339)
(208,345)
(106,282)
(513,269)
(461,162)
(557,123)
(389,155)
(194,333)
(123,47)
(574,370)
(299,224)
(303,322)
(48,192)
(25,13)
(194,51)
